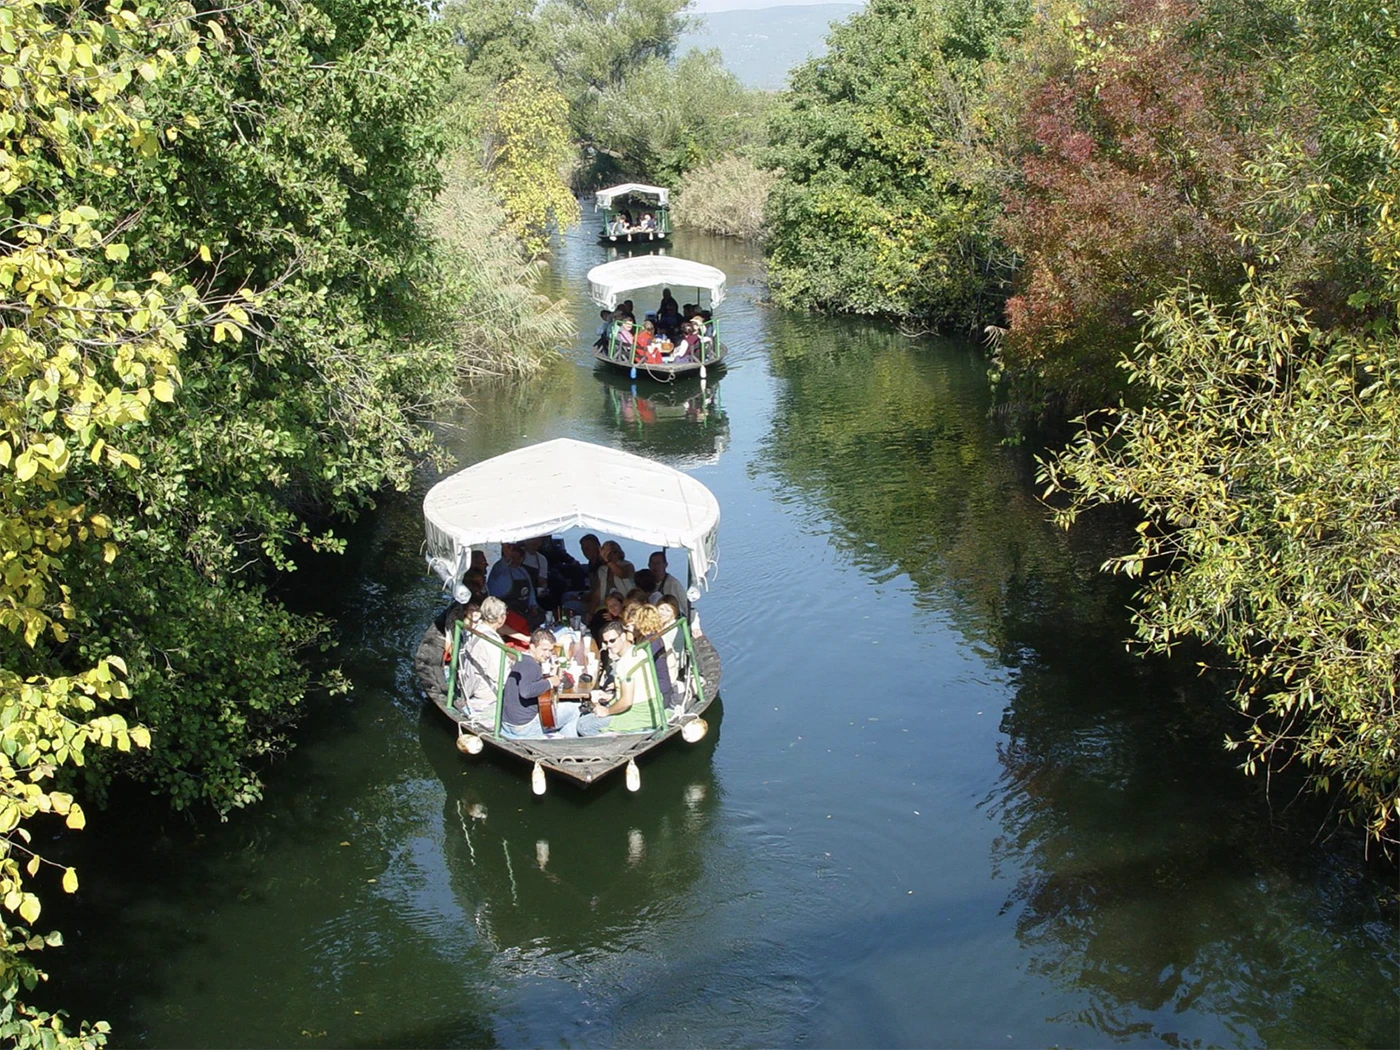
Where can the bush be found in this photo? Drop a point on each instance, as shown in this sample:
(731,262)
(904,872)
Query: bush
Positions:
(726,196)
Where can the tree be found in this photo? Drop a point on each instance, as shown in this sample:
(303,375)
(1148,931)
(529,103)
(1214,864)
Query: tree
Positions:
(1265,470)
(84,357)
(1133,137)
(1263,456)
(881,206)
(597,44)
(529,154)
(666,118)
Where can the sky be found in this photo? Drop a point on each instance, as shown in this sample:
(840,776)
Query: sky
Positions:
(705,7)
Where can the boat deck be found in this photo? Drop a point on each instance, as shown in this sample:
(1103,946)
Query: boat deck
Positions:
(583,759)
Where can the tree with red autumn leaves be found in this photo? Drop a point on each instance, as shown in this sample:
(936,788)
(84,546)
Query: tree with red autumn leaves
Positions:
(1132,130)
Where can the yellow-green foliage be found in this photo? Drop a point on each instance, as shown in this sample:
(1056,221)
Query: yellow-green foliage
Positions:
(726,196)
(529,157)
(82,359)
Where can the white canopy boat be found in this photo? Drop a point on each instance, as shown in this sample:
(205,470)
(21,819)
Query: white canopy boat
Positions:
(540,490)
(644,200)
(611,283)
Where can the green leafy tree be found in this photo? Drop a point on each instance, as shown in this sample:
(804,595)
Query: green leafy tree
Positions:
(882,206)
(297,158)
(1264,466)
(666,118)
(596,44)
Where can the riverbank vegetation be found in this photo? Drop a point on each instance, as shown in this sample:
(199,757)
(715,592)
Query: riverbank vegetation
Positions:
(232,297)
(1178,220)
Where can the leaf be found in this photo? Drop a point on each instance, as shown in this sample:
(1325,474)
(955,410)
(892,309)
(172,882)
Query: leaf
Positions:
(117,252)
(70,881)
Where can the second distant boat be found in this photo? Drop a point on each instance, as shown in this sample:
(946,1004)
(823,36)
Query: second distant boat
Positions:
(634,214)
(677,344)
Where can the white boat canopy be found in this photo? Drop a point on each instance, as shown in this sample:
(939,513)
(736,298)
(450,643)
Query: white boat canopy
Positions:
(567,484)
(608,283)
(603,200)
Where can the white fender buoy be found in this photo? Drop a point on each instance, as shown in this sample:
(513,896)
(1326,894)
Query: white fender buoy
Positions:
(469,744)
(634,775)
(537,779)
(703,373)
(694,731)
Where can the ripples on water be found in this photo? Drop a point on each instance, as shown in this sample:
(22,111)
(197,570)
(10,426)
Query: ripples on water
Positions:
(939,805)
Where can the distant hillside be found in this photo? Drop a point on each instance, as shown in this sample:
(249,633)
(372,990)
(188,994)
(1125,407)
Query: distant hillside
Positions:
(759,47)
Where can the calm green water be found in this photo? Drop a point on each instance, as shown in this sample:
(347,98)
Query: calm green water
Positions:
(941,806)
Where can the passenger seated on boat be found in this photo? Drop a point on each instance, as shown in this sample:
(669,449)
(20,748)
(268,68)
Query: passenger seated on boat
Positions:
(646,352)
(646,583)
(624,576)
(604,330)
(647,623)
(688,348)
(615,574)
(626,310)
(609,613)
(667,586)
(447,622)
(669,612)
(626,709)
(520,696)
(649,222)
(480,665)
(510,581)
(625,346)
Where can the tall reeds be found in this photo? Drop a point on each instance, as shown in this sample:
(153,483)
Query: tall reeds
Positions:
(503,325)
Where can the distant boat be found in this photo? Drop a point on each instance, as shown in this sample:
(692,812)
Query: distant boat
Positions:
(539,490)
(638,200)
(609,284)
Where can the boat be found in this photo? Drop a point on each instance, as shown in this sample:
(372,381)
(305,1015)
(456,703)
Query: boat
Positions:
(611,282)
(547,488)
(638,199)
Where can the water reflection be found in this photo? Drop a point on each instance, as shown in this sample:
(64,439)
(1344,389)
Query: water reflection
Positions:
(577,874)
(888,439)
(682,423)
(1150,882)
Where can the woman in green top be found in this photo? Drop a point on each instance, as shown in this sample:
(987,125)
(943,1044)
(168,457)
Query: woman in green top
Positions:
(630,709)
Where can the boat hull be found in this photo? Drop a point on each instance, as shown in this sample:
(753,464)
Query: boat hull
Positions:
(634,240)
(665,373)
(582,759)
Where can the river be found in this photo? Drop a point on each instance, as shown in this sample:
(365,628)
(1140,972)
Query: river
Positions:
(939,804)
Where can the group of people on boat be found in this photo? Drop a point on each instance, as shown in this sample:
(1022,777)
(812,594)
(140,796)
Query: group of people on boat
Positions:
(672,334)
(606,598)
(622,224)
